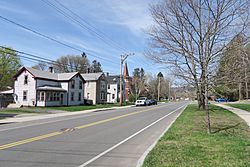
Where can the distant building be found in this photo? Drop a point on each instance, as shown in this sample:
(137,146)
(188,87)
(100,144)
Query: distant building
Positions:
(43,88)
(127,80)
(113,88)
(95,87)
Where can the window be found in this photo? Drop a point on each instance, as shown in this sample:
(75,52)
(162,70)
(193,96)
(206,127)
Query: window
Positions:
(72,96)
(108,86)
(51,96)
(25,93)
(103,85)
(88,95)
(113,96)
(73,84)
(102,96)
(79,96)
(54,96)
(25,79)
(80,84)
(47,96)
(42,96)
(57,97)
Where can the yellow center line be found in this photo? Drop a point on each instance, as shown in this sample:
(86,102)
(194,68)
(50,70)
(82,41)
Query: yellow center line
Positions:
(29,140)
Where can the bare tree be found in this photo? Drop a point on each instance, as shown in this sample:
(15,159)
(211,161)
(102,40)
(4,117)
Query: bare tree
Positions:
(190,35)
(71,63)
(41,66)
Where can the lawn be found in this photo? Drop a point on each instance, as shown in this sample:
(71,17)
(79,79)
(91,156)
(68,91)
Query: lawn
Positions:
(84,107)
(240,106)
(187,143)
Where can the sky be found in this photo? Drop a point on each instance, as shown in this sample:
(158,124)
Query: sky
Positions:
(121,22)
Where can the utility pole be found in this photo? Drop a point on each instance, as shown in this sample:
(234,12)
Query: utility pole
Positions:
(159,75)
(123,58)
(159,88)
(169,89)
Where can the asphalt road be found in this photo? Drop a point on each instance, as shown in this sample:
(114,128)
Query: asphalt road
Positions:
(107,138)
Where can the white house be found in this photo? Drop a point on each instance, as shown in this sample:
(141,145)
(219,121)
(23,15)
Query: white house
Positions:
(113,88)
(95,87)
(43,88)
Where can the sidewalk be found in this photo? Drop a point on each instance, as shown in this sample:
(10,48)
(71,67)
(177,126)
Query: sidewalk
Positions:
(55,115)
(245,115)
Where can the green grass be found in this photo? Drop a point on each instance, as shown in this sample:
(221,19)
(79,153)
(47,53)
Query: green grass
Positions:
(84,107)
(241,106)
(187,143)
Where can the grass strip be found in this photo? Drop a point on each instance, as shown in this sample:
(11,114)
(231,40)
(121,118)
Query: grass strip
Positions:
(187,143)
(245,107)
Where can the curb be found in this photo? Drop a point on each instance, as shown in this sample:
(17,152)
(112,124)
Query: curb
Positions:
(47,116)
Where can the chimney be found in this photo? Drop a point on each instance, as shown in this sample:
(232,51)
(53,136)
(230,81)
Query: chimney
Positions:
(107,74)
(51,69)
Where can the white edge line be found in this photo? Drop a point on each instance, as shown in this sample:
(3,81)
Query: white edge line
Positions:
(142,158)
(128,138)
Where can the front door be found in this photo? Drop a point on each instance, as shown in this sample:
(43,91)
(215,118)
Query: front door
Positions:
(61,99)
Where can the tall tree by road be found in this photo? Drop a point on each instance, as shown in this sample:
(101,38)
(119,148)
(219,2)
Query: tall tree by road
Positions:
(234,70)
(138,81)
(190,35)
(9,64)
(95,67)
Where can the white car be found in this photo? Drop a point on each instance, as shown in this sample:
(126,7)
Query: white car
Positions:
(142,101)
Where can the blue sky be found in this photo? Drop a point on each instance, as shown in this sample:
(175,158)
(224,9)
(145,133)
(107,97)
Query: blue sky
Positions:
(122,21)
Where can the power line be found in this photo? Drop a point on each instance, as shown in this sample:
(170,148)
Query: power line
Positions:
(49,38)
(35,58)
(94,29)
(75,18)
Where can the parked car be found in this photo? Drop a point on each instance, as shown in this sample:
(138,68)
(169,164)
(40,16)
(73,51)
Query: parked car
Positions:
(142,101)
(221,100)
(152,102)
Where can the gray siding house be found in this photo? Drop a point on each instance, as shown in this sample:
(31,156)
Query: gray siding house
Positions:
(95,87)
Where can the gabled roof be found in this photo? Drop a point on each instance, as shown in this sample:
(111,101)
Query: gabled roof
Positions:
(125,73)
(92,76)
(113,79)
(48,75)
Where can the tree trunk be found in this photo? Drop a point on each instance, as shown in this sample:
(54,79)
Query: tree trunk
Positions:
(207,110)
(246,87)
(240,92)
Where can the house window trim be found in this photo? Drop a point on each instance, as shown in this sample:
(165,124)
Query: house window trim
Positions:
(102,97)
(72,84)
(25,82)
(26,99)
(80,85)
(72,94)
(79,96)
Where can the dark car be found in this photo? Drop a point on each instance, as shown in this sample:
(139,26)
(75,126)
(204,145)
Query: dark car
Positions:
(152,102)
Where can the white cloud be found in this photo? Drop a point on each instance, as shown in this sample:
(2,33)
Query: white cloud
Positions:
(132,14)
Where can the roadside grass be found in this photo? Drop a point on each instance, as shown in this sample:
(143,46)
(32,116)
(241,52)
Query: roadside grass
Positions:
(187,143)
(84,107)
(240,106)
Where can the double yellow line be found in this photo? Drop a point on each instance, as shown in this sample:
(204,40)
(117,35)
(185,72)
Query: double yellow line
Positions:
(29,140)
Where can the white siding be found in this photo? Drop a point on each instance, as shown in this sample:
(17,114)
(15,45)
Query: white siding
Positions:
(112,91)
(90,91)
(19,87)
